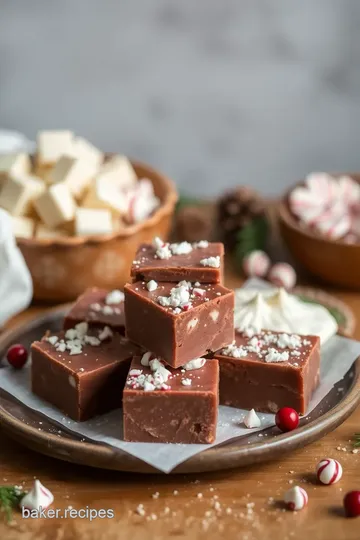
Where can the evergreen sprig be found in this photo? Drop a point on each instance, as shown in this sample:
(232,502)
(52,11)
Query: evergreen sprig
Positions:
(10,497)
(251,237)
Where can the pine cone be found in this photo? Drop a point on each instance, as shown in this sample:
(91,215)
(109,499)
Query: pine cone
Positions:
(236,210)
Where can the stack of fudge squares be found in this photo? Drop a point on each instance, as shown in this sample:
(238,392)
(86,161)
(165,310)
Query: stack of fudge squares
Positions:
(166,350)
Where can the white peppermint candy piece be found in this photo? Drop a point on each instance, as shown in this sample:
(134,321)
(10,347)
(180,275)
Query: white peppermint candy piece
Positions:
(305,205)
(114,297)
(252,420)
(296,498)
(334,225)
(283,275)
(349,191)
(328,471)
(38,497)
(257,263)
(196,363)
(145,359)
(323,187)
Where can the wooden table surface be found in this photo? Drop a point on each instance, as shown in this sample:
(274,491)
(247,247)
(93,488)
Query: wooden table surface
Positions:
(241,504)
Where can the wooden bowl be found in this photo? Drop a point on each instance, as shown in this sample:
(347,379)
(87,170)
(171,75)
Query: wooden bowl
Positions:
(334,261)
(62,268)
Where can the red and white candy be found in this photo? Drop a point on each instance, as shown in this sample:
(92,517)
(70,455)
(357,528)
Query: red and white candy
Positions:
(305,205)
(256,264)
(296,498)
(38,497)
(328,471)
(283,275)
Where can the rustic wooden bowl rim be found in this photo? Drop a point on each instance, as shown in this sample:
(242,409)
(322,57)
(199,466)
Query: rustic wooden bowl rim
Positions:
(166,207)
(290,220)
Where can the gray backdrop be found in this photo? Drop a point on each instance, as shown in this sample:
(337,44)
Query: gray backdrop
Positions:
(215,92)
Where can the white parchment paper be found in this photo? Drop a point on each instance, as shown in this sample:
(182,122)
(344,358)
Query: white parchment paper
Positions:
(338,354)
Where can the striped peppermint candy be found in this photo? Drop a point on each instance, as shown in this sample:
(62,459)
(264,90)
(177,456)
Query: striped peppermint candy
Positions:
(305,205)
(257,263)
(328,471)
(296,498)
(349,191)
(323,187)
(283,275)
(334,224)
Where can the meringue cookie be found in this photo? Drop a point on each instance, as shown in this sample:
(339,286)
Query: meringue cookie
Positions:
(279,311)
(38,497)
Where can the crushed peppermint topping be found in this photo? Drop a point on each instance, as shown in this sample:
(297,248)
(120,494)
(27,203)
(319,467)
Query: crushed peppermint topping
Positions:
(183,248)
(162,248)
(114,297)
(214,262)
(76,338)
(186,382)
(195,363)
(275,356)
(151,285)
(151,381)
(145,359)
(203,244)
(268,346)
(105,333)
(179,297)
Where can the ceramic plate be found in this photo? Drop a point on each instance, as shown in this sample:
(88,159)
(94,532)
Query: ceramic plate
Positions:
(21,423)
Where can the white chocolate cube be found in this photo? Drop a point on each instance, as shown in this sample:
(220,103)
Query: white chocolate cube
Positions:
(56,206)
(18,194)
(86,151)
(23,227)
(45,232)
(14,165)
(103,195)
(75,173)
(90,222)
(52,145)
(119,172)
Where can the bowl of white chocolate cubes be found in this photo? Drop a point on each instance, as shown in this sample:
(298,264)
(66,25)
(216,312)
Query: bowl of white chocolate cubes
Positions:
(79,215)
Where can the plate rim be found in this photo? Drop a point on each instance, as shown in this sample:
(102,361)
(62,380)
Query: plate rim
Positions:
(224,456)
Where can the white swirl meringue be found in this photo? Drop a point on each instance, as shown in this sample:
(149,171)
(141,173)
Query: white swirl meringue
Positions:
(275,309)
(38,497)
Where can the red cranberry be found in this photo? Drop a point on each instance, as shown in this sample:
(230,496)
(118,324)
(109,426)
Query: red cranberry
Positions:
(287,419)
(352,504)
(17,356)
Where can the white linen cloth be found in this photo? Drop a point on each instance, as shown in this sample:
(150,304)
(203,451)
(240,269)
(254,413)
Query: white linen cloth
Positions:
(16,287)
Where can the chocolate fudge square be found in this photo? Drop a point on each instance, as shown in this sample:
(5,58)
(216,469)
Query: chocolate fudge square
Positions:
(99,308)
(269,370)
(167,405)
(201,261)
(81,371)
(181,321)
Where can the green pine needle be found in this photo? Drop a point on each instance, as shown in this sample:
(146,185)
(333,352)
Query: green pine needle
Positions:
(184,200)
(356,440)
(336,313)
(251,237)
(10,497)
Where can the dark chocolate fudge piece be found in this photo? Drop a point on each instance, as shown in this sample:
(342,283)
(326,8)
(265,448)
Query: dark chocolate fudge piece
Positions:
(165,405)
(99,308)
(269,370)
(81,371)
(179,322)
(201,261)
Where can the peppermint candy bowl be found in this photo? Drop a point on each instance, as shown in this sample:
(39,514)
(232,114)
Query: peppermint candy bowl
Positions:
(62,268)
(335,261)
